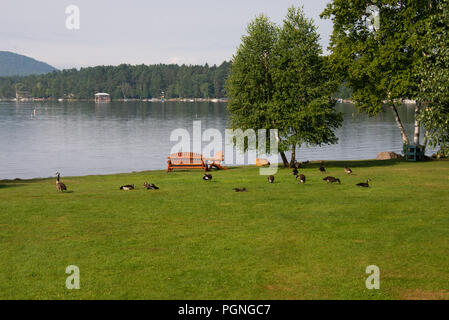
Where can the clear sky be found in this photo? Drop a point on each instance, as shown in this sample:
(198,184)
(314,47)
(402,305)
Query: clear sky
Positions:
(139,31)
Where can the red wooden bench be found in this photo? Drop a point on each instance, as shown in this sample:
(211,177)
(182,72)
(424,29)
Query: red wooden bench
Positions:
(186,160)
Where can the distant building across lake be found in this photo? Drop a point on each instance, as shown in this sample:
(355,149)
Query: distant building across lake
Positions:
(102,97)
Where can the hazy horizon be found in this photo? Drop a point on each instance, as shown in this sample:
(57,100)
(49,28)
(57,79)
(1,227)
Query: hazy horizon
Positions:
(136,32)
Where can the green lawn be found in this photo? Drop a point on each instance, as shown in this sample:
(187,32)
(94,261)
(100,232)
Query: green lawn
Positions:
(194,239)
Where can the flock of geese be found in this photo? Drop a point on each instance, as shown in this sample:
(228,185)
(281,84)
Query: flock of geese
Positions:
(302,178)
(329,179)
(62,187)
(146,185)
(208,177)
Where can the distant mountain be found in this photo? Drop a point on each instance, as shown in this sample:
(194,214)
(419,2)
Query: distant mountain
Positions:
(12,64)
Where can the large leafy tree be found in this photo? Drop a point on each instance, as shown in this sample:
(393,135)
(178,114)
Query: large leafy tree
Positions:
(435,74)
(302,105)
(250,84)
(381,64)
(279,80)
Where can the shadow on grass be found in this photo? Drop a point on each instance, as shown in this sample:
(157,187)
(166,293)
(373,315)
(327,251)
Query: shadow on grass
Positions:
(19,182)
(4,186)
(336,164)
(354,163)
(10,184)
(228,168)
(201,171)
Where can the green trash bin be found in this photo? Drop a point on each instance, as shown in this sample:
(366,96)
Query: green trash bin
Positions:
(414,153)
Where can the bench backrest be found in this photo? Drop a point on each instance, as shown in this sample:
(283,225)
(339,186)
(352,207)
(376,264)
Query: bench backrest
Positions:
(186,157)
(219,155)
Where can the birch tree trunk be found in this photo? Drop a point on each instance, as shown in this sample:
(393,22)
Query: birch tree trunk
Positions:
(417,125)
(283,157)
(400,126)
(426,140)
(293,158)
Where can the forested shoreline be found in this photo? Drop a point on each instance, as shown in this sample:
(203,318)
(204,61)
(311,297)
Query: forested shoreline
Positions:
(122,82)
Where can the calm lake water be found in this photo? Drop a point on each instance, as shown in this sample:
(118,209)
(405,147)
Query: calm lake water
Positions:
(81,138)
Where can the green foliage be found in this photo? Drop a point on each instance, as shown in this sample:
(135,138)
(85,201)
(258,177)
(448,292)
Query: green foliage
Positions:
(343,92)
(435,83)
(139,82)
(249,86)
(279,80)
(302,105)
(384,64)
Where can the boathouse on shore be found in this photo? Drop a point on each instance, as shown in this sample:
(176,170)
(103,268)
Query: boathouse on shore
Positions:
(102,97)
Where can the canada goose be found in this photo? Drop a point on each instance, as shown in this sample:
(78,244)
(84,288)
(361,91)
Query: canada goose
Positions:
(348,170)
(150,186)
(271,179)
(364,184)
(302,178)
(297,165)
(128,187)
(332,180)
(59,185)
(207,177)
(295,172)
(322,168)
(240,190)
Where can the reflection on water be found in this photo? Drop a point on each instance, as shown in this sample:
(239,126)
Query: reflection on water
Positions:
(82,138)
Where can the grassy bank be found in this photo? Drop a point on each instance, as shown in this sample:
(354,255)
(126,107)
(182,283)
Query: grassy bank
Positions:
(201,240)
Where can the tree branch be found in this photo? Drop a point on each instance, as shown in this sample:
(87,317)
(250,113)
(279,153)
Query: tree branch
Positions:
(399,123)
